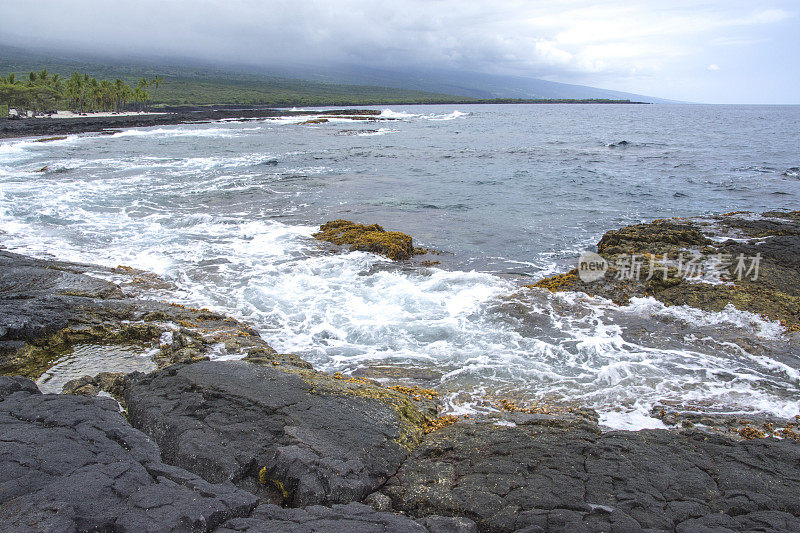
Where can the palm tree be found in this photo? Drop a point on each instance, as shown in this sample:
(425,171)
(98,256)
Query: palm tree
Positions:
(119,87)
(107,91)
(44,91)
(157,80)
(74,91)
(95,95)
(143,84)
(140,95)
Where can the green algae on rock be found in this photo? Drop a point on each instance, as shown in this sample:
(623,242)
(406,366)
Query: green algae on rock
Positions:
(49,307)
(373,238)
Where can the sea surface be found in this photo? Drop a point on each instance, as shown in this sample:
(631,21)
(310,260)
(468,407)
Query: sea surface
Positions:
(510,193)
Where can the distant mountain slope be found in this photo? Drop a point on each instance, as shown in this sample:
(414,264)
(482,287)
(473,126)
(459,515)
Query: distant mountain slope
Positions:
(468,84)
(200,84)
(192,81)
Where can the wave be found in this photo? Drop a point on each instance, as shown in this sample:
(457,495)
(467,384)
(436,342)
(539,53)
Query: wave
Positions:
(179,132)
(206,221)
(388,113)
(449,116)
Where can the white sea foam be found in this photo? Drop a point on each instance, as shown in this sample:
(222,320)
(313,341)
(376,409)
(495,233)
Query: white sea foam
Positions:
(388,113)
(403,115)
(175,131)
(730,316)
(379,131)
(449,116)
(630,420)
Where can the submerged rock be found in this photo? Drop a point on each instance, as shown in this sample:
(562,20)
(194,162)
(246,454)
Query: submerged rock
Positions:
(74,463)
(290,434)
(373,238)
(539,477)
(110,382)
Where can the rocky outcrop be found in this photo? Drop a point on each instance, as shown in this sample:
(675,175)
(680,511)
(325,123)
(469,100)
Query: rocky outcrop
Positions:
(46,307)
(541,477)
(289,434)
(373,238)
(73,463)
(654,259)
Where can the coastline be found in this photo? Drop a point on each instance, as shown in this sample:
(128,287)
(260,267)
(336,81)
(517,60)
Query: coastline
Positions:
(45,127)
(269,440)
(98,123)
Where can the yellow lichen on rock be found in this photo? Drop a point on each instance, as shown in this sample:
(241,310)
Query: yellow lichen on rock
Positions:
(414,391)
(750,433)
(558,282)
(434,424)
(373,238)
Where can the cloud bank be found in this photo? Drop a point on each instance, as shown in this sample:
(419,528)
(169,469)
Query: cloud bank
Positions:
(638,46)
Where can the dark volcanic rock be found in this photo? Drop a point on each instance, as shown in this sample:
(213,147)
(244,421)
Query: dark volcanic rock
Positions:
(48,306)
(350,518)
(74,464)
(552,479)
(292,433)
(652,237)
(773,290)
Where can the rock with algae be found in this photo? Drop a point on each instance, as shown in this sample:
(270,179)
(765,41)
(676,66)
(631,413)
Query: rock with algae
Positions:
(373,238)
(773,237)
(46,307)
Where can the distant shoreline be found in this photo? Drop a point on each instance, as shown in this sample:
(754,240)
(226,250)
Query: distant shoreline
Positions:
(98,123)
(49,127)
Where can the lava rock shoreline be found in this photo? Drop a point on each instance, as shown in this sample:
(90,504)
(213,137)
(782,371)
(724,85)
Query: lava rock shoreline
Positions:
(268,443)
(47,127)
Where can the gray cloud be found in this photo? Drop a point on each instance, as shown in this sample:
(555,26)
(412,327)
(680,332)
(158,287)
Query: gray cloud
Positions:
(634,45)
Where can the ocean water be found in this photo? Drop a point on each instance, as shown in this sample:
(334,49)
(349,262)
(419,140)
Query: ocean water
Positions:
(510,193)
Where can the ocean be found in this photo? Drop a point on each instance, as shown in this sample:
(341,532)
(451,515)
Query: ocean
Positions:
(508,194)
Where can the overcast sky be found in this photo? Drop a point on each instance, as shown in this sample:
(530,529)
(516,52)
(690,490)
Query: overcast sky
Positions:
(711,51)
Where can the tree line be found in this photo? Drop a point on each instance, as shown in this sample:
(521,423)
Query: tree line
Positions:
(43,92)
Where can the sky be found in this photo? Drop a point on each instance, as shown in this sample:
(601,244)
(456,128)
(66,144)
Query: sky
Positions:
(692,50)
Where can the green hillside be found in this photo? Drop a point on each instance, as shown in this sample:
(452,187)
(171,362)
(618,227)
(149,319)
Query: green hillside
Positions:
(201,85)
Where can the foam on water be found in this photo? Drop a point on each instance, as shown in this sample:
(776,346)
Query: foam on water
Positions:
(174,131)
(388,113)
(402,115)
(730,316)
(379,131)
